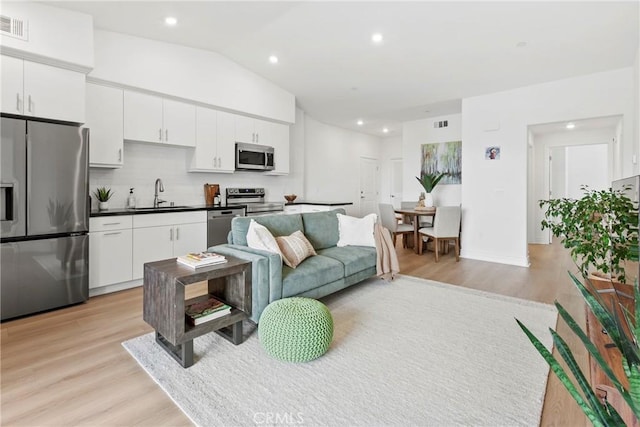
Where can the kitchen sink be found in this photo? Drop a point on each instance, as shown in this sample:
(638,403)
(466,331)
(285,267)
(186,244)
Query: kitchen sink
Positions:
(161,208)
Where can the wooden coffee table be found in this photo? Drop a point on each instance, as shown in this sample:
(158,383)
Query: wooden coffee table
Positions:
(164,302)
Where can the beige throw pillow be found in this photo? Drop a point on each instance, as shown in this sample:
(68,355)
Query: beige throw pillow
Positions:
(295,248)
(259,237)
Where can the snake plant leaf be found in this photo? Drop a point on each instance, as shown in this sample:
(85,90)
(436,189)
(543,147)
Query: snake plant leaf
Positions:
(562,376)
(588,392)
(593,350)
(608,323)
(429,181)
(634,389)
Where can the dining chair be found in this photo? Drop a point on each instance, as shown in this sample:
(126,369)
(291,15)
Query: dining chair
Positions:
(446,227)
(390,222)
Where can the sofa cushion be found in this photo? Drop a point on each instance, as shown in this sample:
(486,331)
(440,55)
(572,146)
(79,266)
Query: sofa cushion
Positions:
(354,258)
(313,272)
(294,248)
(278,225)
(321,228)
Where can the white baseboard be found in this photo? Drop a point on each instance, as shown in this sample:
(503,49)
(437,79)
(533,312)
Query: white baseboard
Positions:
(94,292)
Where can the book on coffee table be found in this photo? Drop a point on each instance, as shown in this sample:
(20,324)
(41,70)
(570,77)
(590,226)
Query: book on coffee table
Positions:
(200,259)
(204,311)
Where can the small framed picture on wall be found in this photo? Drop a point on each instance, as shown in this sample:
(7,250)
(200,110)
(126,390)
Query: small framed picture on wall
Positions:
(492,153)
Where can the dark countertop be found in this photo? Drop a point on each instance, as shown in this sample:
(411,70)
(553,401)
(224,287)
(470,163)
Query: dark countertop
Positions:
(168,209)
(316,203)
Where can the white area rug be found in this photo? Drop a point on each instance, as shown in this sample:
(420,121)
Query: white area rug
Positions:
(409,352)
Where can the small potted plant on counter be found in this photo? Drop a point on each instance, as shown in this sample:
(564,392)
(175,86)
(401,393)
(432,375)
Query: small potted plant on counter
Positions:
(103,194)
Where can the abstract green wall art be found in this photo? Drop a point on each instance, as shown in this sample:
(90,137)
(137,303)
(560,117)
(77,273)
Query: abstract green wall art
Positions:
(444,157)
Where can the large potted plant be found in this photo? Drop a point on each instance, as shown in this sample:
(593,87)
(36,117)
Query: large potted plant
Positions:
(600,230)
(428,182)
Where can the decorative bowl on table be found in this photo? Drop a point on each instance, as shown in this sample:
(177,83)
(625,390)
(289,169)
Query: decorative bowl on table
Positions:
(290,197)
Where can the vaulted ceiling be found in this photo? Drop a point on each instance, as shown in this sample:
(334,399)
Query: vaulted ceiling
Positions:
(432,54)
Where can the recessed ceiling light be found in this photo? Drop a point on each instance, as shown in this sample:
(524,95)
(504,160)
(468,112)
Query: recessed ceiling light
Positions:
(521,44)
(376,38)
(385,130)
(273,59)
(570,125)
(170,20)
(360,122)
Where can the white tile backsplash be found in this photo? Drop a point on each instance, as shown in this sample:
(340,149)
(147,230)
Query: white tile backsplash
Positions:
(143,163)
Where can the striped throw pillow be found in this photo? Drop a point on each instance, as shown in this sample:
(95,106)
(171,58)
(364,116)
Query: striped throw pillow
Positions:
(295,248)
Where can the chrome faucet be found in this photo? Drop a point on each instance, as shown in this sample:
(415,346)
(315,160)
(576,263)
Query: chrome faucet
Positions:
(160,188)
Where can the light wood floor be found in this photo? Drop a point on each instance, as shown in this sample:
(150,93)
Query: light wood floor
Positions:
(67,367)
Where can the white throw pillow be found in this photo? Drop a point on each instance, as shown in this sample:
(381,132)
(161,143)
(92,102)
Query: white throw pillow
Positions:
(356,231)
(259,237)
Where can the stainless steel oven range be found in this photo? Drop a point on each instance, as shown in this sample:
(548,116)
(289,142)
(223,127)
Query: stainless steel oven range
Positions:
(253,199)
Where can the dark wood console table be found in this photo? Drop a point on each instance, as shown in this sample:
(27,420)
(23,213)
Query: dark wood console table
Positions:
(164,302)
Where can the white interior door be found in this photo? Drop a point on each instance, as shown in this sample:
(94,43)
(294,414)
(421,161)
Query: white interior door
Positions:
(368,186)
(396,183)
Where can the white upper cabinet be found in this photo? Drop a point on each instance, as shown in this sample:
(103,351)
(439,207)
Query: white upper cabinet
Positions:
(105,122)
(253,131)
(150,118)
(245,129)
(226,145)
(214,150)
(39,90)
(179,122)
(12,84)
(280,141)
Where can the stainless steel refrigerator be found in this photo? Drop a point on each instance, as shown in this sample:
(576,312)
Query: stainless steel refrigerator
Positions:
(44,219)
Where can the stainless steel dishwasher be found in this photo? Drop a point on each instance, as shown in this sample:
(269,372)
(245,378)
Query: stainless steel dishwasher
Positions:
(219,224)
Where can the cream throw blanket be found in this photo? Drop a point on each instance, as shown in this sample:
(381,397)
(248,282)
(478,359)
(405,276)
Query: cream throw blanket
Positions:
(386,258)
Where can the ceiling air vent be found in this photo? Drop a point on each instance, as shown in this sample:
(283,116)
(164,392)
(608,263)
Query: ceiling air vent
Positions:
(441,124)
(13,27)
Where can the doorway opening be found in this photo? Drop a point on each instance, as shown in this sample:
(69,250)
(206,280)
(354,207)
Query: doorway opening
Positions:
(561,160)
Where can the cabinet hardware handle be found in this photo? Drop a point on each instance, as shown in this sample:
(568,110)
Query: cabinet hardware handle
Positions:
(120,155)
(171,234)
(257,137)
(111,223)
(177,233)
(113,234)
(18,102)
(29,107)
(166,134)
(160,134)
(253,137)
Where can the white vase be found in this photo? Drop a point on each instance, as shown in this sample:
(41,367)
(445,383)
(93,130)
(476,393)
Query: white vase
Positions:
(103,206)
(428,200)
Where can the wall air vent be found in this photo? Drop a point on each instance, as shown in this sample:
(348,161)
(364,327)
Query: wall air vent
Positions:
(441,124)
(14,27)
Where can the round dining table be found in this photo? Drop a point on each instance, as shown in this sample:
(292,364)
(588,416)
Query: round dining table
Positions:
(415,215)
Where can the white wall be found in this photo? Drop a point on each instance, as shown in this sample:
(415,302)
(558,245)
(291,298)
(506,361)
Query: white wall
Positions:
(636,96)
(419,132)
(332,161)
(188,73)
(494,193)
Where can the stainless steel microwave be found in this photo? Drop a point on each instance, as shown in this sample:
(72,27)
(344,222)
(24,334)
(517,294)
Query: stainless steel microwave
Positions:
(254,157)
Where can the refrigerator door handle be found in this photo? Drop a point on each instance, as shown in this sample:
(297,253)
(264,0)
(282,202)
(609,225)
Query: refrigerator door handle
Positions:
(7,198)
(29,181)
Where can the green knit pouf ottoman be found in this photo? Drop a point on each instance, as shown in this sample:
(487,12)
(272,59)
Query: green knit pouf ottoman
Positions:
(296,329)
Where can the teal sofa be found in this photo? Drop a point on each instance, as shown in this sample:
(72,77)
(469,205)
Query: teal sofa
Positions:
(332,269)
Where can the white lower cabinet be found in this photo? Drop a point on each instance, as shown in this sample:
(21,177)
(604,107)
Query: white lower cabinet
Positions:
(120,245)
(166,235)
(110,250)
